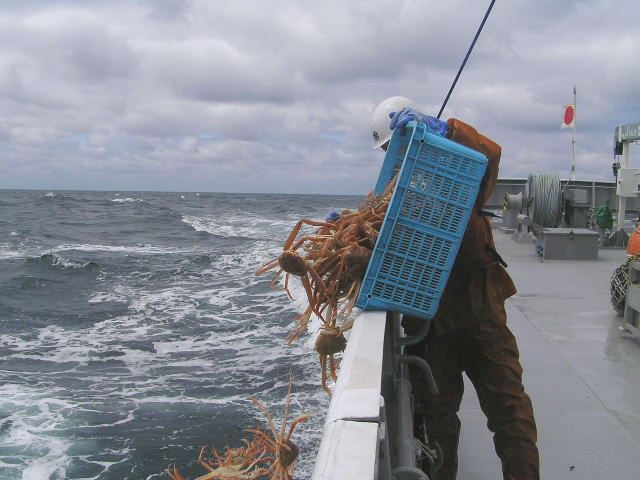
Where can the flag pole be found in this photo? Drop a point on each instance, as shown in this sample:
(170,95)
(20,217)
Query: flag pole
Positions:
(573,141)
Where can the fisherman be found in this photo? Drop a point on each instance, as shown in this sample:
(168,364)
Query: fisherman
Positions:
(469,332)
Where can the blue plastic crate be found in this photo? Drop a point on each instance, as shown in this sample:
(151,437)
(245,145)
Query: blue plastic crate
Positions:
(436,189)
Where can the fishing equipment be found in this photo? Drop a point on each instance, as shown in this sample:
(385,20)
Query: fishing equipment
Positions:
(626,178)
(619,288)
(466,57)
(544,199)
(437,186)
(511,208)
(619,284)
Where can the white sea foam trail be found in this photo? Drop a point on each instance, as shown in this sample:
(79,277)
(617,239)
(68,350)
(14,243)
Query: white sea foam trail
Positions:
(138,249)
(248,226)
(6,252)
(127,200)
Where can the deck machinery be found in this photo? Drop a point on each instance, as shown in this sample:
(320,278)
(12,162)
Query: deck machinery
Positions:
(627,178)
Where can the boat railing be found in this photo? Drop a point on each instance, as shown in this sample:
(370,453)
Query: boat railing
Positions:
(368,433)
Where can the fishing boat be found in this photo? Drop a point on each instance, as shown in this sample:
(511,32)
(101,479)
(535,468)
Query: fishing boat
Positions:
(580,370)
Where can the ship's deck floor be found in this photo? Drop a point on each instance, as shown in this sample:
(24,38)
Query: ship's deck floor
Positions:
(582,375)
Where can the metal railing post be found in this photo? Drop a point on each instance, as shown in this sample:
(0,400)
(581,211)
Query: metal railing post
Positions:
(384,461)
(404,449)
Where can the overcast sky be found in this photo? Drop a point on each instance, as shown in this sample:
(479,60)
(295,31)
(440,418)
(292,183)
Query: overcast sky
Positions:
(276,96)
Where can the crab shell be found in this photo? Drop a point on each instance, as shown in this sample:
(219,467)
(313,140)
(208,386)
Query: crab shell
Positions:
(330,343)
(293,263)
(356,261)
(366,235)
(240,460)
(288,456)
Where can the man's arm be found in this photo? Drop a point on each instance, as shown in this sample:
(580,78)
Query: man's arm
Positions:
(468,136)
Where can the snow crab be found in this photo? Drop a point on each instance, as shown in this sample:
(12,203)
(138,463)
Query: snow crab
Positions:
(278,441)
(330,341)
(292,263)
(242,463)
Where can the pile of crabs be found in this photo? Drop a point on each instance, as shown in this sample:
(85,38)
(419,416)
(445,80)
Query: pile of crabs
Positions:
(331,262)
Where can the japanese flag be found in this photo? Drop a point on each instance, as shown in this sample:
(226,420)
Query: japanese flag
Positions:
(569,119)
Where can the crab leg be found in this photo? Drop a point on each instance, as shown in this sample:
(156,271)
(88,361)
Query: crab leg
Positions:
(286,286)
(262,408)
(310,238)
(307,287)
(265,268)
(303,321)
(323,368)
(274,280)
(287,405)
(296,230)
(332,368)
(175,474)
(295,422)
(314,275)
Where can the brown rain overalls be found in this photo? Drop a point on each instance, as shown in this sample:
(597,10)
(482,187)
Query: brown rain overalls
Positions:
(469,333)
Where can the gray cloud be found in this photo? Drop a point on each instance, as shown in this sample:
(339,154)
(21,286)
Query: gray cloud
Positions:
(277,96)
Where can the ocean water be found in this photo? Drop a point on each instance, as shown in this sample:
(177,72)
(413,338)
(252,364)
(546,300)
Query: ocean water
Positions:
(133,330)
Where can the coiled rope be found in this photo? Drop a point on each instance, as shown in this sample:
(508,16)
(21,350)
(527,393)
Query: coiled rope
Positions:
(544,195)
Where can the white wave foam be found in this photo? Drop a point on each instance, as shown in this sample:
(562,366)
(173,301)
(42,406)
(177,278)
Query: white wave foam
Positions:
(13,234)
(226,342)
(127,200)
(50,195)
(250,226)
(32,422)
(7,252)
(102,297)
(139,249)
(243,265)
(62,262)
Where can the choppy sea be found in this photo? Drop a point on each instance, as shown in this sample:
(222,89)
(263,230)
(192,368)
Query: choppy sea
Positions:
(133,330)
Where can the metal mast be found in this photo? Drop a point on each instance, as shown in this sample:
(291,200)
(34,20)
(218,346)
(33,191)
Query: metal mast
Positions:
(573,140)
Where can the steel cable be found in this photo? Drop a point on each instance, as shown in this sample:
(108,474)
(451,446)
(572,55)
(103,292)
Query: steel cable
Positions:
(544,194)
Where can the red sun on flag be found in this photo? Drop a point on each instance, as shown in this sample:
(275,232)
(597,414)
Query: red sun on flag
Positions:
(569,116)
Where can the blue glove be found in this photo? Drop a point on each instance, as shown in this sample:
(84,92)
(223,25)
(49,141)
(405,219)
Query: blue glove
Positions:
(406,115)
(332,217)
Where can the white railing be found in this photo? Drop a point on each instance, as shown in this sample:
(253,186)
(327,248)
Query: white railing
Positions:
(352,432)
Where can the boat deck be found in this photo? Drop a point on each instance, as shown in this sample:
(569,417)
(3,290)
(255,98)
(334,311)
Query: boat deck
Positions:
(582,374)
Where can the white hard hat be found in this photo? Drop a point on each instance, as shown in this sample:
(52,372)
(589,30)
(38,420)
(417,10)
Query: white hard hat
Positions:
(380,120)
